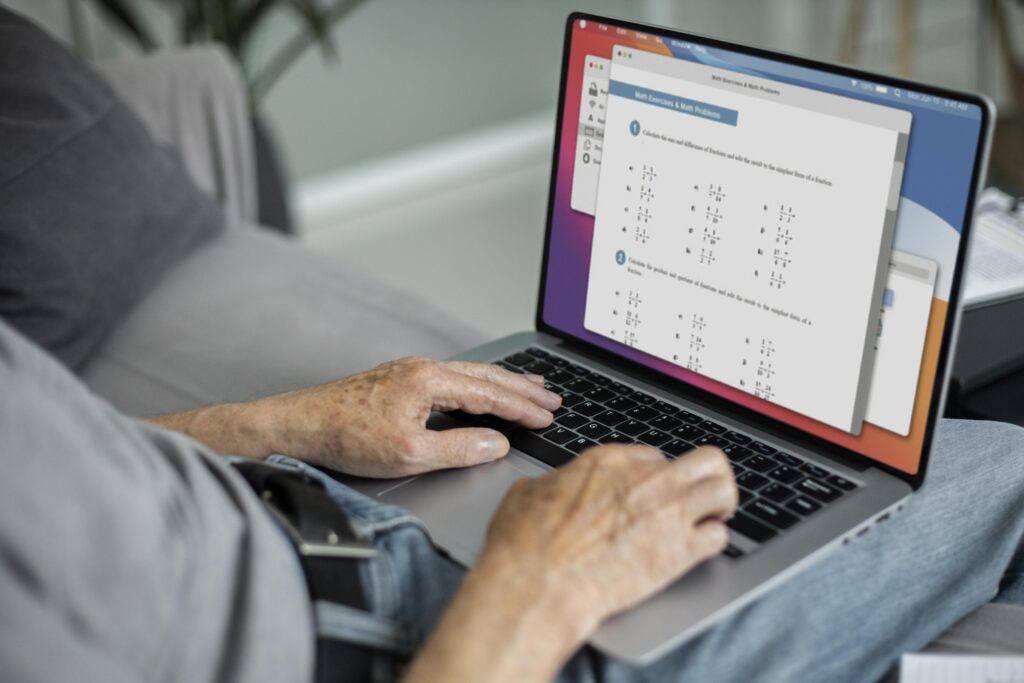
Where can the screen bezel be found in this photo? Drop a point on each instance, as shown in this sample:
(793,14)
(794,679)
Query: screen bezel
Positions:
(701,396)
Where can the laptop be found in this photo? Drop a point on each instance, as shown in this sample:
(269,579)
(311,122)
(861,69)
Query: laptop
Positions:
(744,249)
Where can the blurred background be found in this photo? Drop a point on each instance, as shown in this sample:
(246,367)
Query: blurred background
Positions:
(413,137)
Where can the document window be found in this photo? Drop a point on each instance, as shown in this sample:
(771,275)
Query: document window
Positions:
(743,230)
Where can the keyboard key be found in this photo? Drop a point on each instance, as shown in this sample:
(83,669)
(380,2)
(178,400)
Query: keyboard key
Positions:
(552,387)
(736,437)
(677,447)
(633,427)
(666,422)
(804,506)
(616,437)
(787,459)
(589,408)
(570,399)
(534,445)
(560,411)
(712,427)
(759,463)
(579,385)
(609,418)
(654,437)
(688,432)
(777,493)
(751,480)
(736,468)
(572,420)
(762,448)
(519,359)
(689,418)
(578,370)
(771,513)
(580,444)
(621,403)
(592,430)
(844,484)
(751,528)
(732,551)
(642,413)
(737,453)
(537,353)
(599,380)
(558,376)
(745,497)
(642,398)
(666,408)
(784,473)
(815,489)
(538,367)
(814,470)
(600,394)
(620,389)
(712,440)
(508,366)
(558,362)
(559,435)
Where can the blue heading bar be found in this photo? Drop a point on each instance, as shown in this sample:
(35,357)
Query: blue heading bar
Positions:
(680,104)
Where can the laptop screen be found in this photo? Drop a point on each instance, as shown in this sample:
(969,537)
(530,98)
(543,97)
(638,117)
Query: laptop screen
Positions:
(782,236)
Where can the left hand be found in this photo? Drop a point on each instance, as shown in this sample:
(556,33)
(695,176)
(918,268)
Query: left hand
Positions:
(374,424)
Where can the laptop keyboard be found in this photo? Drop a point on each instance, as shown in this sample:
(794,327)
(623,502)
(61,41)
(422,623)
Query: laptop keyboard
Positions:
(777,489)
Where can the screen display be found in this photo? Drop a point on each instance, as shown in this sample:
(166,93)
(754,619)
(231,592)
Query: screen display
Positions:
(781,236)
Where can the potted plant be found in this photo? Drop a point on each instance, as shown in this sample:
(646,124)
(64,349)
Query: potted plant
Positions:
(236,23)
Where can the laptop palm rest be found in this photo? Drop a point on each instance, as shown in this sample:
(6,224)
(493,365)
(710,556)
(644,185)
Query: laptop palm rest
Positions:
(457,505)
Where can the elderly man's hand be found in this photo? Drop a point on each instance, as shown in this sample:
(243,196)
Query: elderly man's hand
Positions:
(569,549)
(374,424)
(616,525)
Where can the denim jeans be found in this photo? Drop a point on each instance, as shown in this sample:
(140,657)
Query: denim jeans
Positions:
(956,545)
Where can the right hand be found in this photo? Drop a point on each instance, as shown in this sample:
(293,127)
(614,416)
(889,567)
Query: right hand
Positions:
(615,526)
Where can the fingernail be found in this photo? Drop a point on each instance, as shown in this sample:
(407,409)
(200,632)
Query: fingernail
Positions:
(536,379)
(493,447)
(555,398)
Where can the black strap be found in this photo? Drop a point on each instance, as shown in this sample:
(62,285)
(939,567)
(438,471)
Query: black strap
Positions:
(329,551)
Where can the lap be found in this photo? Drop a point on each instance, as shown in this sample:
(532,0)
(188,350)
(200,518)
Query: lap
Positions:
(845,618)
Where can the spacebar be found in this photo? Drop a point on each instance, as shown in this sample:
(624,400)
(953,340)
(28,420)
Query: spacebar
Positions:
(533,445)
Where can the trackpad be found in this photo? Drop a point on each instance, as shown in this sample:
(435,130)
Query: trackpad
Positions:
(457,505)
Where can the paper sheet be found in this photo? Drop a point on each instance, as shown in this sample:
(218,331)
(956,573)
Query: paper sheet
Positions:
(919,668)
(996,265)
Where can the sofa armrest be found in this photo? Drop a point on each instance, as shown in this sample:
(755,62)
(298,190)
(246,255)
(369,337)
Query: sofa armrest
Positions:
(193,99)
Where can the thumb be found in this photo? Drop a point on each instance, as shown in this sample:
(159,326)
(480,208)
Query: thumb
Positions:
(466,446)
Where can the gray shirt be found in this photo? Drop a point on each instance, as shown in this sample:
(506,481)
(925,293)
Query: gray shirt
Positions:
(131,553)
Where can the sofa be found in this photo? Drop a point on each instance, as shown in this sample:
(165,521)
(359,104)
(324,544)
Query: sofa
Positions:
(251,312)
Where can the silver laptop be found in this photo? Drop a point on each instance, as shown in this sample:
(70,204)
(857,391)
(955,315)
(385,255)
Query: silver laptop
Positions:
(747,250)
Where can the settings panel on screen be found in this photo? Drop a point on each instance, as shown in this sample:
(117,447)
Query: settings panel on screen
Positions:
(743,230)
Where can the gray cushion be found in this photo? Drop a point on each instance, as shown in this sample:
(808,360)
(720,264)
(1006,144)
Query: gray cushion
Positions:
(92,210)
(251,314)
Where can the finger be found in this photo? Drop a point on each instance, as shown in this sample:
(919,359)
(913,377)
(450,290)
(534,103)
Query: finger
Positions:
(708,539)
(478,396)
(523,384)
(699,463)
(713,497)
(461,447)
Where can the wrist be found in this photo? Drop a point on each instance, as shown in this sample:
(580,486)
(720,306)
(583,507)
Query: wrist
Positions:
(543,594)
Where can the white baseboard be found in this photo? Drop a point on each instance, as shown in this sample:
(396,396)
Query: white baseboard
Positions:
(334,200)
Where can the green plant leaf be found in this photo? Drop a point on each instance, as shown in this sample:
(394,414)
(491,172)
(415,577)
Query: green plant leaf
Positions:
(246,21)
(318,23)
(129,22)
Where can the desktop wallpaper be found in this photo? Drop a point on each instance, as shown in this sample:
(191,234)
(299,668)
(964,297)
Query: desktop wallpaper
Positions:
(936,186)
